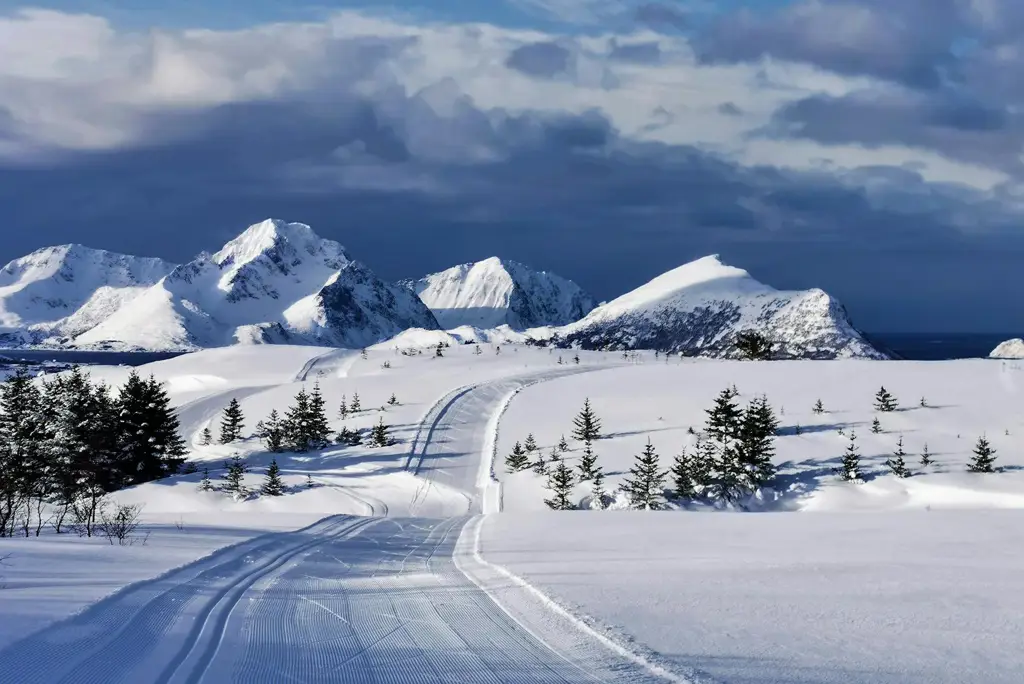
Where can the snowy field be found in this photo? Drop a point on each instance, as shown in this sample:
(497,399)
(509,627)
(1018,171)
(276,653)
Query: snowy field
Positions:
(915,580)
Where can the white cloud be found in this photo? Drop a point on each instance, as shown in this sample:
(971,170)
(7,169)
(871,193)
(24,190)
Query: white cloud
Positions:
(75,82)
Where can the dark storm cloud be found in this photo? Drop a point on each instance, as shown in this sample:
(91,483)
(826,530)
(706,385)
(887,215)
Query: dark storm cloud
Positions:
(909,41)
(545,59)
(659,15)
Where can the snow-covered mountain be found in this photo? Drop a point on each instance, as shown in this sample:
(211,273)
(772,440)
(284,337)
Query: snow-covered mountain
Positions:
(1010,349)
(56,293)
(495,292)
(698,308)
(275,283)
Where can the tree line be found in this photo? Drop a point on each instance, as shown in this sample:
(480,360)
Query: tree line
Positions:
(65,443)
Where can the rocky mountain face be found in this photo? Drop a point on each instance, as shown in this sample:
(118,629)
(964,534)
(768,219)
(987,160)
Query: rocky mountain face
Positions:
(56,293)
(698,309)
(495,292)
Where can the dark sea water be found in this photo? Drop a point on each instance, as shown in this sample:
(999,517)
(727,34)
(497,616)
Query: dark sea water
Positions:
(85,358)
(939,346)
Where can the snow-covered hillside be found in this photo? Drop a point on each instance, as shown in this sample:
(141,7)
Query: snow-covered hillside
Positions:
(59,292)
(698,308)
(1010,349)
(495,292)
(275,283)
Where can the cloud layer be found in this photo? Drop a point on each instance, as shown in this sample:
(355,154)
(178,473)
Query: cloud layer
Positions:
(883,163)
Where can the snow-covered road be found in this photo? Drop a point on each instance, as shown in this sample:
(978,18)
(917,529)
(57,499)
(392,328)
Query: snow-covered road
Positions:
(347,599)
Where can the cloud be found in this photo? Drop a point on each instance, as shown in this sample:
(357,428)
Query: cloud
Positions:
(545,59)
(660,15)
(608,157)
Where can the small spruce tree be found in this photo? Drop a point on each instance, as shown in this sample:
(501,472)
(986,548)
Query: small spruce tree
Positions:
(439,350)
(206,439)
(205,485)
(682,476)
(924,403)
(355,406)
(984,458)
(234,475)
(231,423)
(819,408)
(530,444)
(885,402)
(343,409)
(897,463)
(517,459)
(379,436)
(563,445)
(926,457)
(586,424)
(588,462)
(560,484)
(576,359)
(271,432)
(272,484)
(646,485)
(393,401)
(876,426)
(849,470)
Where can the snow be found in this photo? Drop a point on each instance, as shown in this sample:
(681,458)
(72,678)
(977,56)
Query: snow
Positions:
(662,400)
(1010,349)
(913,580)
(496,292)
(830,598)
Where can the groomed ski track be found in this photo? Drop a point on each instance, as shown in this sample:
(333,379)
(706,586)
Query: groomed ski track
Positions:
(346,600)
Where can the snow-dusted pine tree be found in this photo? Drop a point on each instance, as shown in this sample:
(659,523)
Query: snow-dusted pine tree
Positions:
(517,459)
(588,462)
(849,469)
(560,484)
(897,463)
(231,423)
(586,424)
(885,402)
(645,488)
(984,458)
(272,484)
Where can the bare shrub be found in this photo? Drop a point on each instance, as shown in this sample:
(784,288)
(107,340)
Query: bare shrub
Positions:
(120,524)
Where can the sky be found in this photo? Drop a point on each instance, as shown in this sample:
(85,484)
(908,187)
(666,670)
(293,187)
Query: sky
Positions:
(871,148)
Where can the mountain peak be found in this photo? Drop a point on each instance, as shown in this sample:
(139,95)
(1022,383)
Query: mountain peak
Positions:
(273,234)
(495,292)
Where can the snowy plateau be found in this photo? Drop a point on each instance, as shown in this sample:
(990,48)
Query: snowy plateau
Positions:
(424,560)
(280,283)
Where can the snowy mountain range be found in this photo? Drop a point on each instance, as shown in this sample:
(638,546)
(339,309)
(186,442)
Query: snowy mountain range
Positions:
(280,282)
(698,308)
(495,292)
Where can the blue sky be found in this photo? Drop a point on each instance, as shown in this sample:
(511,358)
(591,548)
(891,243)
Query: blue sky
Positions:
(869,147)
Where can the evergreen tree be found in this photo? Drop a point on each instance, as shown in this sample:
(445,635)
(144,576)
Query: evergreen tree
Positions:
(295,424)
(646,485)
(234,475)
(272,484)
(924,403)
(756,447)
(271,432)
(348,437)
(897,463)
(379,436)
(205,485)
(586,424)
(393,401)
(343,409)
(563,445)
(24,471)
(753,345)
(149,443)
(355,406)
(819,408)
(560,484)
(926,457)
(231,423)
(530,445)
(478,351)
(876,425)
(206,438)
(576,359)
(984,458)
(588,462)
(517,459)
(885,402)
(682,476)
(439,351)
(318,429)
(539,466)
(721,450)
(850,468)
